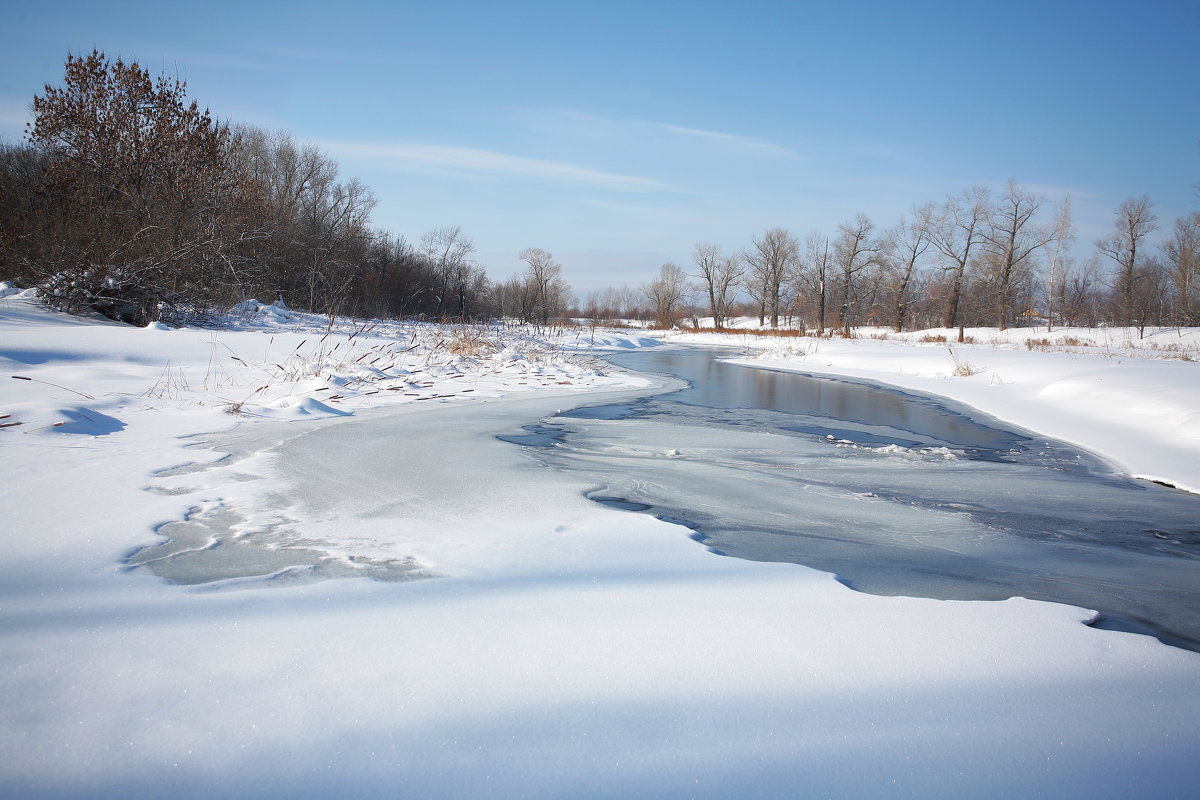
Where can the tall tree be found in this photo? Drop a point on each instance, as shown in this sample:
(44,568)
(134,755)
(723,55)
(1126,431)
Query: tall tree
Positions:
(1134,222)
(854,251)
(668,292)
(813,275)
(140,183)
(1064,234)
(771,261)
(719,276)
(955,234)
(448,251)
(544,277)
(905,246)
(23,217)
(1012,237)
(1182,255)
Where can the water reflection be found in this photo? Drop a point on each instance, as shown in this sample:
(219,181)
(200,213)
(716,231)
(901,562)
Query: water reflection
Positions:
(716,384)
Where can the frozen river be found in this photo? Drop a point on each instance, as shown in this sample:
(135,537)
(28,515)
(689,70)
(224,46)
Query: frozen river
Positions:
(897,494)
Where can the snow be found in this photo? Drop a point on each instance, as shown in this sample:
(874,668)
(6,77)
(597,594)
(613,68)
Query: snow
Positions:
(520,640)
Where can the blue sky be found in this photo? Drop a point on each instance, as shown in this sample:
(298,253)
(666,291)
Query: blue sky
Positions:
(618,134)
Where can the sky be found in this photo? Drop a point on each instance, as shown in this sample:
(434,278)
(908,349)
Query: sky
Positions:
(617,135)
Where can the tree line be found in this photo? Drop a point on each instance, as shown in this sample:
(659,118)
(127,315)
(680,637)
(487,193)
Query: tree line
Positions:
(126,198)
(977,259)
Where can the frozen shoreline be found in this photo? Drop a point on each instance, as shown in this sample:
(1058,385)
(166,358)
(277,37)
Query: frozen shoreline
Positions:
(1136,409)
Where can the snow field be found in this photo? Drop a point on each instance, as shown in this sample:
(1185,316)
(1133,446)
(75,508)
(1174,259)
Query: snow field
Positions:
(567,648)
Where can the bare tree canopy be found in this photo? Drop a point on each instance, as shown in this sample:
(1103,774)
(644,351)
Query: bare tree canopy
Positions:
(904,246)
(668,292)
(1182,255)
(854,251)
(955,234)
(719,276)
(1134,222)
(771,260)
(1011,238)
(543,278)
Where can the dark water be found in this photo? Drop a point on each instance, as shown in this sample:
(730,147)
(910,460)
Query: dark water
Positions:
(896,493)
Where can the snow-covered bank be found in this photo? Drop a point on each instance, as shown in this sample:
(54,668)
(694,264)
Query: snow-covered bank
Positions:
(1132,401)
(566,649)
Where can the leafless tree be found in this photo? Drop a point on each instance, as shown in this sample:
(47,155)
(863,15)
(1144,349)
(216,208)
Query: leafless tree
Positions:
(958,231)
(544,278)
(854,250)
(668,292)
(1182,256)
(719,276)
(1012,238)
(771,261)
(448,251)
(903,248)
(1134,222)
(1064,234)
(813,276)
(23,221)
(1079,300)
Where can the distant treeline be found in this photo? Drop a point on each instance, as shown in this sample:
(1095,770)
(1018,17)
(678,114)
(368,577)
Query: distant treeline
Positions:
(973,260)
(128,199)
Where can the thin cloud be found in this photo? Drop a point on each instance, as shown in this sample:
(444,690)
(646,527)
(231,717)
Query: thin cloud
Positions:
(633,127)
(745,142)
(465,159)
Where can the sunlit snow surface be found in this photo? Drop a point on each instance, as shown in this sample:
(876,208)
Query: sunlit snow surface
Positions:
(564,649)
(897,494)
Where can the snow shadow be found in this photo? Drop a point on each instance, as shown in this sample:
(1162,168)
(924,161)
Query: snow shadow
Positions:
(88,422)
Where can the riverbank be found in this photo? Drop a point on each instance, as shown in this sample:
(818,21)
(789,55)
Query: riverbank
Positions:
(549,647)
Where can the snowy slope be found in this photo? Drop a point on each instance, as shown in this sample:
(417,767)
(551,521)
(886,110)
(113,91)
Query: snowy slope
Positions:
(562,648)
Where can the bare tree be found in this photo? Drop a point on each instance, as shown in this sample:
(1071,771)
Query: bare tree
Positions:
(719,275)
(853,252)
(1182,255)
(668,292)
(544,277)
(904,247)
(1012,237)
(771,261)
(1149,295)
(1134,222)
(1064,234)
(23,221)
(813,275)
(1078,300)
(957,232)
(448,251)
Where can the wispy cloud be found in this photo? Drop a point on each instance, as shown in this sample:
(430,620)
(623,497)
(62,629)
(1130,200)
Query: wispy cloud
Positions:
(469,160)
(736,140)
(577,121)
